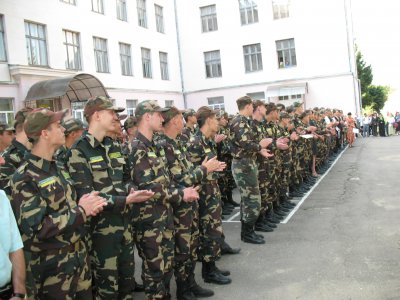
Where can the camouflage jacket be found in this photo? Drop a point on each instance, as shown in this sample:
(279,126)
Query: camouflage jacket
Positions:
(44,203)
(148,169)
(61,156)
(200,148)
(181,169)
(99,166)
(224,147)
(187,134)
(14,157)
(243,141)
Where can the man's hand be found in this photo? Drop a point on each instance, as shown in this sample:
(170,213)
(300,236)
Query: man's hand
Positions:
(294,136)
(190,194)
(213,164)
(92,203)
(311,128)
(2,160)
(283,140)
(266,153)
(219,138)
(282,146)
(138,196)
(264,143)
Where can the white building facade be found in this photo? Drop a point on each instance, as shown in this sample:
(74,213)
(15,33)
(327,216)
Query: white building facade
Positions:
(185,53)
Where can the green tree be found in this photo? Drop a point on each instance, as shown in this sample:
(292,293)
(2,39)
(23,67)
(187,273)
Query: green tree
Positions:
(375,97)
(364,72)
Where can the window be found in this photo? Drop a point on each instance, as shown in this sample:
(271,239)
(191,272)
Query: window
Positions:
(212,61)
(257,95)
(146,63)
(159,18)
(121,10)
(101,55)
(131,106)
(298,96)
(252,58)
(164,66)
(216,103)
(36,44)
(169,103)
(71,43)
(286,97)
(208,18)
(248,12)
(126,61)
(6,111)
(286,53)
(281,9)
(97,6)
(3,56)
(77,110)
(72,2)
(141,11)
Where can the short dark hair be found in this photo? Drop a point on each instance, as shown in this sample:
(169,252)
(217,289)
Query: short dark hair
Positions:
(257,103)
(243,101)
(270,108)
(203,113)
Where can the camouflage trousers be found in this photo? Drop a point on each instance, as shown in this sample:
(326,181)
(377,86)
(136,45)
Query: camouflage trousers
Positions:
(286,166)
(112,256)
(154,235)
(62,275)
(263,179)
(186,228)
(245,172)
(210,223)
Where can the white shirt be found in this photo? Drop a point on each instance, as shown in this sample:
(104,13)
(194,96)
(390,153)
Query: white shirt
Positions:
(366,120)
(10,238)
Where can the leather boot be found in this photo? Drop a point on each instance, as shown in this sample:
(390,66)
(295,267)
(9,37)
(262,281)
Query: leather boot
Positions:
(211,275)
(262,226)
(183,291)
(249,236)
(196,289)
(226,249)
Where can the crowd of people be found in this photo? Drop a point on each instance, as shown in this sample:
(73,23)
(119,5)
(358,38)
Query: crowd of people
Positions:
(78,199)
(375,124)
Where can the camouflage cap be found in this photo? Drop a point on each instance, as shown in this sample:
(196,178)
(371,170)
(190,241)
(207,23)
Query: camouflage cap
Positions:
(221,114)
(284,115)
(189,112)
(20,116)
(6,127)
(290,109)
(170,114)
(280,106)
(122,117)
(130,122)
(39,119)
(148,106)
(100,103)
(297,104)
(72,125)
(303,115)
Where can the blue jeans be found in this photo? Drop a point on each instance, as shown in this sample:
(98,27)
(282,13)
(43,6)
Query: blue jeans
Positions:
(366,130)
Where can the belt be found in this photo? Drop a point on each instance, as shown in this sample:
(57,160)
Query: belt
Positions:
(6,291)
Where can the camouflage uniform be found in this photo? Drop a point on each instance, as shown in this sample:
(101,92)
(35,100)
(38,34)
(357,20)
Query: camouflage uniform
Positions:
(100,166)
(210,223)
(187,135)
(244,167)
(153,219)
(51,225)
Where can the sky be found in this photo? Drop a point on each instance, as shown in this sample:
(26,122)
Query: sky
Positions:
(377,31)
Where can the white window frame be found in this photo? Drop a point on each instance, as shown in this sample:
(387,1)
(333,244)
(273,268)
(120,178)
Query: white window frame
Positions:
(36,39)
(7,116)
(216,103)
(126,59)
(252,55)
(159,12)
(121,10)
(248,12)
(131,106)
(3,52)
(286,53)
(212,62)
(169,103)
(98,6)
(281,9)
(72,44)
(208,16)
(77,109)
(72,2)
(142,13)
(101,55)
(146,63)
(164,65)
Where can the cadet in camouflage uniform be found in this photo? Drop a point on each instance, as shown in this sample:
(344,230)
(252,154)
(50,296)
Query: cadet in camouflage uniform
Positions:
(202,146)
(6,136)
(153,219)
(190,127)
(130,126)
(186,216)
(14,154)
(73,130)
(245,148)
(50,216)
(96,163)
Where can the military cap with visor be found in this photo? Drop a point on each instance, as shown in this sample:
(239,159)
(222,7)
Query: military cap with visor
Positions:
(100,103)
(39,119)
(71,125)
(148,106)
(171,113)
(6,127)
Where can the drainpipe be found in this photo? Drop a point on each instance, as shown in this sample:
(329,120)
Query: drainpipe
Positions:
(178,41)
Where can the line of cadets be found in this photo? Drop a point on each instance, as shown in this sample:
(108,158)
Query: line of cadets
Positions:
(165,190)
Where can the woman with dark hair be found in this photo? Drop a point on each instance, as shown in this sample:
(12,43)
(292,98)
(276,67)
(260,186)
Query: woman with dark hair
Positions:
(381,125)
(351,124)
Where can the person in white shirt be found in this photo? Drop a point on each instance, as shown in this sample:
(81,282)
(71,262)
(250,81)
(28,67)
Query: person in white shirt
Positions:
(366,122)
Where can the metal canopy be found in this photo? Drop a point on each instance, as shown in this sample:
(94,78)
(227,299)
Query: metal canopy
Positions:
(78,87)
(287,90)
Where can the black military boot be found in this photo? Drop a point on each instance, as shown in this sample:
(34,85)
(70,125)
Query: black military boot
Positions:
(183,291)
(211,274)
(227,249)
(262,226)
(196,289)
(249,236)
